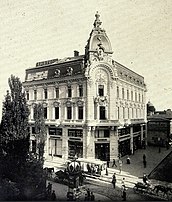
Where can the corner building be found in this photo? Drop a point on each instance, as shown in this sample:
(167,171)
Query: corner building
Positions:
(94,107)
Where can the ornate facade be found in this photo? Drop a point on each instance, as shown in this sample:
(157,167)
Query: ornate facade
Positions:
(94,107)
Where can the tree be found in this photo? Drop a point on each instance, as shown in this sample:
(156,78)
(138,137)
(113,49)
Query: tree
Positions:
(14,139)
(40,129)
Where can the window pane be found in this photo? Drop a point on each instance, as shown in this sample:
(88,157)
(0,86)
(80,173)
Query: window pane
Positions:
(69,91)
(102,112)
(80,90)
(56,112)
(69,112)
(101,90)
(45,94)
(80,112)
(45,112)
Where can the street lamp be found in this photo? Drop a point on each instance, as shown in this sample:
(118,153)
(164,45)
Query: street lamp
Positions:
(73,170)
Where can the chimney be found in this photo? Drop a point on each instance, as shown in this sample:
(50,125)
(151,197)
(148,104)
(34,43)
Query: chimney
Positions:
(76,53)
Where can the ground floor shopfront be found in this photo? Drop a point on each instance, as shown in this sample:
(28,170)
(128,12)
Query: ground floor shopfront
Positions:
(104,143)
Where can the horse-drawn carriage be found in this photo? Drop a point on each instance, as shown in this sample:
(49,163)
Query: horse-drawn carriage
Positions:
(159,191)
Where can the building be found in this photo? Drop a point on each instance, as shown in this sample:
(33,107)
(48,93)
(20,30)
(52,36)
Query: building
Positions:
(94,107)
(159,128)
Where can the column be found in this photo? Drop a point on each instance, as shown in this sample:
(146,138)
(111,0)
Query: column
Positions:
(131,140)
(113,143)
(65,144)
(90,153)
(84,139)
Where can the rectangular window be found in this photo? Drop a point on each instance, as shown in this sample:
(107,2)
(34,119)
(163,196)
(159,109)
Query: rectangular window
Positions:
(35,94)
(123,113)
(142,98)
(139,97)
(118,113)
(55,147)
(56,112)
(106,133)
(117,92)
(27,95)
(80,112)
(101,90)
(57,92)
(45,112)
(69,112)
(55,131)
(69,91)
(131,95)
(122,93)
(102,113)
(75,133)
(136,96)
(80,90)
(45,94)
(128,113)
(132,113)
(127,94)
(33,130)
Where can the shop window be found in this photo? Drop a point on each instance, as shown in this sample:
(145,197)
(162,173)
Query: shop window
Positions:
(55,147)
(55,131)
(57,92)
(56,112)
(75,148)
(69,91)
(45,94)
(75,133)
(80,112)
(102,113)
(80,90)
(45,112)
(101,90)
(69,112)
(35,94)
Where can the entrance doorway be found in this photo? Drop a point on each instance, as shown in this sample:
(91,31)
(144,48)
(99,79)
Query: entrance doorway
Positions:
(102,151)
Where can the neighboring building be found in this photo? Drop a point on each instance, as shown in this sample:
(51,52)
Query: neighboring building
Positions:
(159,128)
(150,109)
(94,107)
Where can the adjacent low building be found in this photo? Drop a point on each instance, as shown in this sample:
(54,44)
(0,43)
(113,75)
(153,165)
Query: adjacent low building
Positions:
(159,128)
(94,107)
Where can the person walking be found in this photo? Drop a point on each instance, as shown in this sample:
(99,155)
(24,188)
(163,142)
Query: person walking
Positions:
(124,194)
(92,197)
(114,163)
(88,194)
(123,182)
(144,157)
(144,163)
(49,188)
(114,180)
(128,160)
(53,196)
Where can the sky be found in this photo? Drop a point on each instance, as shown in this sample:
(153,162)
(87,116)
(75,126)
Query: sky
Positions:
(140,33)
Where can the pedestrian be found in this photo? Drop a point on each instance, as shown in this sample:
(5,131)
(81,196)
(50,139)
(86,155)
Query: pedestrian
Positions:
(124,194)
(123,182)
(144,163)
(145,178)
(128,160)
(114,163)
(106,171)
(144,157)
(92,197)
(53,196)
(120,165)
(114,180)
(159,150)
(49,188)
(86,198)
(88,193)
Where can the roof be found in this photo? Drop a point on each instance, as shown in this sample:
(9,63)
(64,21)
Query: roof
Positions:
(163,170)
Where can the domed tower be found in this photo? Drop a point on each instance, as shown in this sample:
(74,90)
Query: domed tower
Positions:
(98,46)
(150,109)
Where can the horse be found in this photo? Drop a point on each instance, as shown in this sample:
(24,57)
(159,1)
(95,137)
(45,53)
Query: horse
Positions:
(161,188)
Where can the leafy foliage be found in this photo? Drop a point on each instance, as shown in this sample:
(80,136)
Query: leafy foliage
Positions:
(40,129)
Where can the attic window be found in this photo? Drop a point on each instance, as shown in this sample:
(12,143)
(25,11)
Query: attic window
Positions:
(69,71)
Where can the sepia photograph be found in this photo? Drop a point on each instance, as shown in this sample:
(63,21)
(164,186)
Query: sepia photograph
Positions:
(85,100)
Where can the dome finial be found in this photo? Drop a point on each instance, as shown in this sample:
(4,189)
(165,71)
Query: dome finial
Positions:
(97,21)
